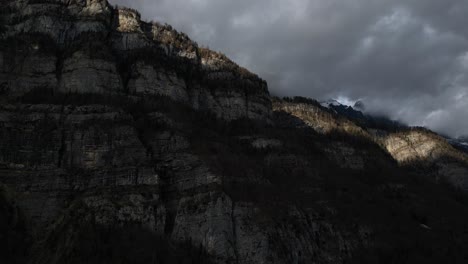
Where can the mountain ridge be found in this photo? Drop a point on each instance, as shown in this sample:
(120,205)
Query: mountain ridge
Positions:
(126,54)
(357,114)
(124,142)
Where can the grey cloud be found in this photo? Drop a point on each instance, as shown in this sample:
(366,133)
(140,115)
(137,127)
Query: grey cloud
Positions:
(405,58)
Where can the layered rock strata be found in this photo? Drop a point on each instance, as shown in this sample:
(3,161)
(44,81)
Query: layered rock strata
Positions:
(83,47)
(122,141)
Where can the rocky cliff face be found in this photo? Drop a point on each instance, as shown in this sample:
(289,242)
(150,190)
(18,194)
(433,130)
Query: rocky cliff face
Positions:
(122,141)
(425,147)
(84,47)
(74,166)
(407,146)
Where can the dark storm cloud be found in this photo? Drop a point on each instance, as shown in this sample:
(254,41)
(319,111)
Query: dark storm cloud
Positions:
(404,58)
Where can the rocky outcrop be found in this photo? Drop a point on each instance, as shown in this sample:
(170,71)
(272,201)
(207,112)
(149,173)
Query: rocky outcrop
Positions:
(420,144)
(345,135)
(91,47)
(425,147)
(407,146)
(62,21)
(81,73)
(319,118)
(146,80)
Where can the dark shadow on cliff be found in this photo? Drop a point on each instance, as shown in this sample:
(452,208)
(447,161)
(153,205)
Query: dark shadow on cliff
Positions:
(411,218)
(408,213)
(76,237)
(15,239)
(93,243)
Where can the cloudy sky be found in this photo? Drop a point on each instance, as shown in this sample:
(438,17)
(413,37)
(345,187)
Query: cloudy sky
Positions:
(404,58)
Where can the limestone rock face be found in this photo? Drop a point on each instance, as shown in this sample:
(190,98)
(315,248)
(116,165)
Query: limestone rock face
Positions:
(407,146)
(25,67)
(419,145)
(146,80)
(238,92)
(319,118)
(82,74)
(47,142)
(128,21)
(122,141)
(75,165)
(85,47)
(63,21)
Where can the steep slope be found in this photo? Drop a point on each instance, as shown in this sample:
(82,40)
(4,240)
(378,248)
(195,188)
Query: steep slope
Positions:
(122,141)
(431,151)
(416,147)
(460,143)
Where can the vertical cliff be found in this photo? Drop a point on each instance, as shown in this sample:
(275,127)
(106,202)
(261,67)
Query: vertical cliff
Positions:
(90,47)
(122,141)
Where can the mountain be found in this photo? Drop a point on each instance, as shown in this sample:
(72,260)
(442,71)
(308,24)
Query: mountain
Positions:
(406,145)
(123,141)
(460,143)
(331,104)
(358,115)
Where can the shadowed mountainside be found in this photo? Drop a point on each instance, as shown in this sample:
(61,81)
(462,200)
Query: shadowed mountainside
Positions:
(122,141)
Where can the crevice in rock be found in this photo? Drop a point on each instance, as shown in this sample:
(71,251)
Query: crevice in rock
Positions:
(59,67)
(234,232)
(169,200)
(63,135)
(62,149)
(124,71)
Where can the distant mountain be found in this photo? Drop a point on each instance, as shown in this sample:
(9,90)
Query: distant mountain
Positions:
(330,103)
(460,143)
(359,105)
(357,114)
